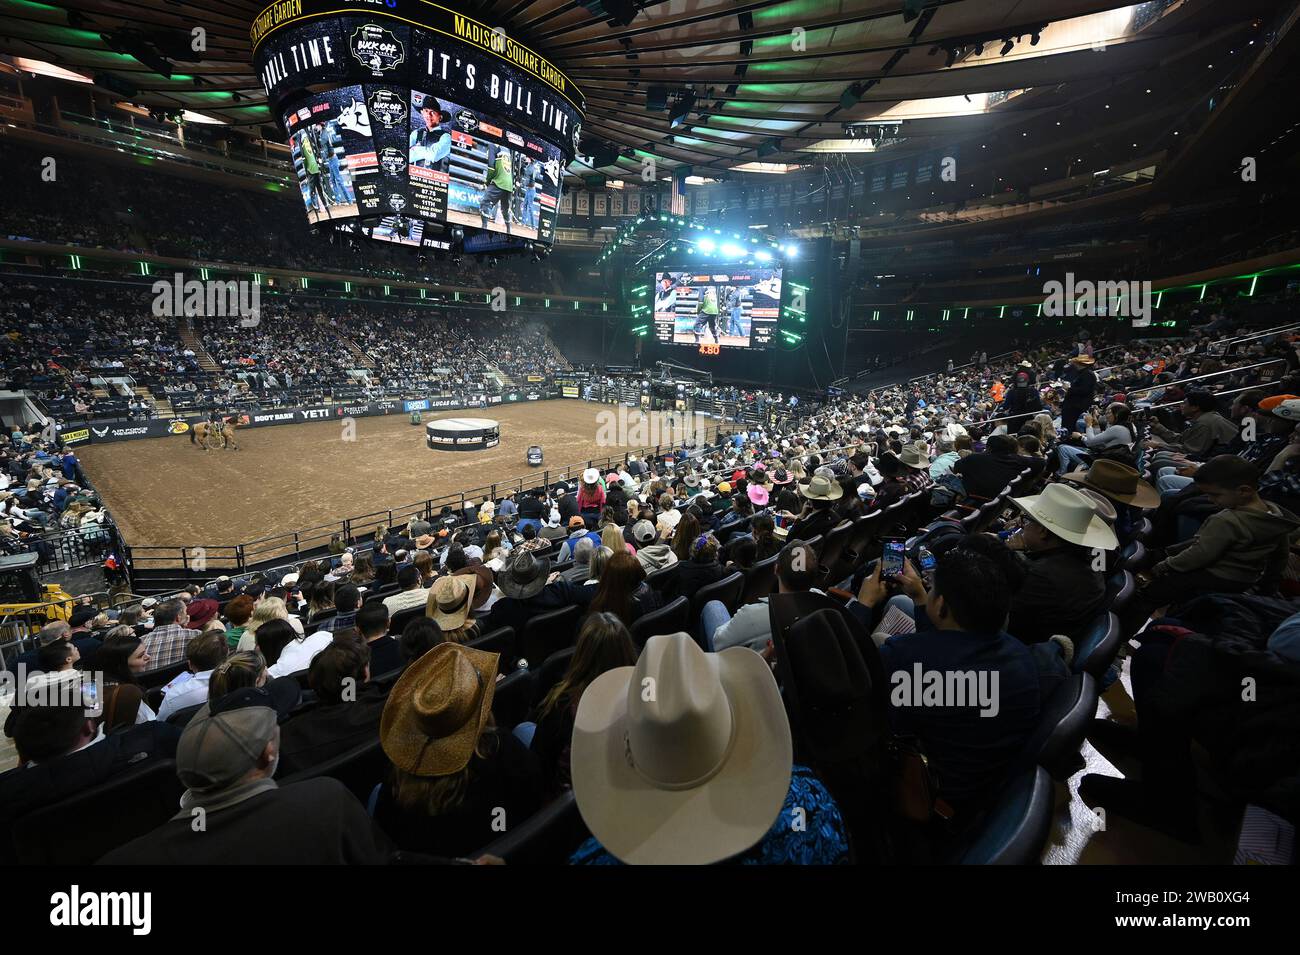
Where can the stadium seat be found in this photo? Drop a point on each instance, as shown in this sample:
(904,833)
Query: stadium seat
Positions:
(1144,530)
(727,590)
(661,579)
(548,632)
(501,640)
(398,621)
(130,804)
(760,580)
(1095,651)
(547,837)
(1134,555)
(161,677)
(1063,724)
(863,536)
(1120,588)
(360,769)
(552,672)
(513,698)
(182,717)
(673,617)
(1015,829)
(832,552)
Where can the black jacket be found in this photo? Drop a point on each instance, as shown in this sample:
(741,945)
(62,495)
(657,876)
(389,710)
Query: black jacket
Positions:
(330,730)
(314,822)
(985,475)
(1061,593)
(692,576)
(508,779)
(25,789)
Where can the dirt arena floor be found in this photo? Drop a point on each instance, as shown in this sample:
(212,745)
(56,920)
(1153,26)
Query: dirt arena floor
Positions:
(165,492)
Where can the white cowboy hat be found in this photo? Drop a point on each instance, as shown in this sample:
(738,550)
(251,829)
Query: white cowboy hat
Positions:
(821,488)
(1288,410)
(692,773)
(1066,513)
(590,476)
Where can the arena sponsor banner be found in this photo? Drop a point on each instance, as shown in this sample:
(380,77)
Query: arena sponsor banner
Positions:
(130,430)
(494,399)
(569,391)
(75,437)
(440,403)
(419,404)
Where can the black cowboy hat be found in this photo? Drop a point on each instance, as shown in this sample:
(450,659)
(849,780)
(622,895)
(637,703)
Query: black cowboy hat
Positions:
(833,681)
(525,576)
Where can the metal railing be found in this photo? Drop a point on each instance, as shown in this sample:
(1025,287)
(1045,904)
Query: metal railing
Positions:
(18,627)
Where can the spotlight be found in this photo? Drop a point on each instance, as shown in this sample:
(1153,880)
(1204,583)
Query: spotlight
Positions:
(1007,47)
(732,251)
(951,58)
(1037,35)
(707,246)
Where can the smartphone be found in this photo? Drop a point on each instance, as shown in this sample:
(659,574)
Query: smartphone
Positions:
(891,557)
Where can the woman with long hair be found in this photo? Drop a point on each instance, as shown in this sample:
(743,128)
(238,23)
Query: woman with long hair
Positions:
(765,540)
(424,564)
(121,659)
(611,536)
(603,644)
(623,590)
(688,529)
(239,670)
(363,569)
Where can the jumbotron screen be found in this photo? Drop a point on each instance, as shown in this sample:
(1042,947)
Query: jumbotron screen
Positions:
(363,152)
(409,110)
(732,309)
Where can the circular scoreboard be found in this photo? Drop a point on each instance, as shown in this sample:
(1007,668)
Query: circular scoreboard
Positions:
(462,434)
(410,123)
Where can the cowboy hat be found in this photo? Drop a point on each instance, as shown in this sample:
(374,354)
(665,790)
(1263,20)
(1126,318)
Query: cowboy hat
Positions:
(757,494)
(1069,515)
(525,576)
(693,773)
(451,599)
(691,480)
(1288,410)
(915,456)
(781,476)
(482,589)
(1117,481)
(821,488)
(831,675)
(437,710)
(590,476)
(1083,360)
(1101,504)
(424,542)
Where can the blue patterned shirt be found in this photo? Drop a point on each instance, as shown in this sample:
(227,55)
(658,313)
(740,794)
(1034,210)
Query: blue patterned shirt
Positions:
(821,840)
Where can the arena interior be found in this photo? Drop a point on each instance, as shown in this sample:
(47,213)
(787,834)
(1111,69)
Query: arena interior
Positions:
(906,392)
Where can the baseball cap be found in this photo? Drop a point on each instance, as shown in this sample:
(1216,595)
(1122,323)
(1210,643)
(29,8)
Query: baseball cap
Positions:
(643,532)
(83,615)
(576,521)
(225,739)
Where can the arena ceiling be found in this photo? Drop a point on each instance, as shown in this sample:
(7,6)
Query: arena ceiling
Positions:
(768,81)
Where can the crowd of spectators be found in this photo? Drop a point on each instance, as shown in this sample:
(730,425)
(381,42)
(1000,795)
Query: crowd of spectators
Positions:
(485,655)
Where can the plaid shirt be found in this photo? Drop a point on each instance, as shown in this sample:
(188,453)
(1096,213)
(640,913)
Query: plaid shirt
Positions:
(166,645)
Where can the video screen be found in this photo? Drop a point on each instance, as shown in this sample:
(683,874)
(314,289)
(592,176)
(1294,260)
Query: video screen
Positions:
(733,309)
(466,170)
(333,155)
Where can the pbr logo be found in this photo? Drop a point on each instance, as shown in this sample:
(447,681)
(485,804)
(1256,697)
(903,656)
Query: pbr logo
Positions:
(467,121)
(389,108)
(377,49)
(392,160)
(397,202)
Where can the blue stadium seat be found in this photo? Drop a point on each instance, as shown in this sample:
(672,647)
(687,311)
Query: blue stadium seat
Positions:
(1015,828)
